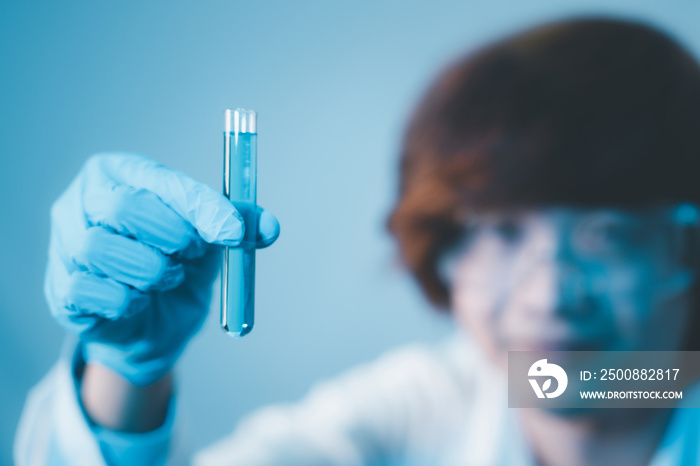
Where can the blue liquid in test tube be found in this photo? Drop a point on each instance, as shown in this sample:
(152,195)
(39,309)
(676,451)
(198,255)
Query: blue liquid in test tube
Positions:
(240,179)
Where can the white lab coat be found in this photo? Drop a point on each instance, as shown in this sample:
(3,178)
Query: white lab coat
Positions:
(418,405)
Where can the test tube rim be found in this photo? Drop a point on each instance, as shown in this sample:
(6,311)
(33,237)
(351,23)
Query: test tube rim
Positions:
(229,118)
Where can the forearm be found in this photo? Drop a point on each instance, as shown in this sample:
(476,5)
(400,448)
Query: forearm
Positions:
(113,402)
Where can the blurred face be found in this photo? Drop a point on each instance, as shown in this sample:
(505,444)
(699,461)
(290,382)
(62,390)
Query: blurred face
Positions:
(572,279)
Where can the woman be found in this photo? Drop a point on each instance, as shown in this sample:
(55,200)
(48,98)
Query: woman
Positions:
(540,185)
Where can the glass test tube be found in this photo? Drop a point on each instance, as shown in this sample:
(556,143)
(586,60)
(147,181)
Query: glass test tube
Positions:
(240,179)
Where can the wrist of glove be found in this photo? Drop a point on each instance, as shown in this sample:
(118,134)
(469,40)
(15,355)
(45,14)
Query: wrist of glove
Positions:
(140,365)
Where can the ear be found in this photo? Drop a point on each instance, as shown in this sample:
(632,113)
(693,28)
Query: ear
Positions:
(687,220)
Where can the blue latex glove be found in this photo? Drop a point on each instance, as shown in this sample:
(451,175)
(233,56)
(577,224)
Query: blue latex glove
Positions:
(135,248)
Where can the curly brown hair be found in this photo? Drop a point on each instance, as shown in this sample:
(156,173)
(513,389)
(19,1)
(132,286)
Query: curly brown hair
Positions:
(584,112)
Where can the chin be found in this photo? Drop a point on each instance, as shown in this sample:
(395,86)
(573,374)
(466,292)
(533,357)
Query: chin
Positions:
(545,346)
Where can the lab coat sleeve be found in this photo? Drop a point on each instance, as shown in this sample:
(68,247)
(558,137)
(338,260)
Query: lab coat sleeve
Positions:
(373,414)
(54,430)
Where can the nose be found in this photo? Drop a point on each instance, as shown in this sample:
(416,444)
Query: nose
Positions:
(551,280)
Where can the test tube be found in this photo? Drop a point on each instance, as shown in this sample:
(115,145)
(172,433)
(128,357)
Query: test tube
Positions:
(240,179)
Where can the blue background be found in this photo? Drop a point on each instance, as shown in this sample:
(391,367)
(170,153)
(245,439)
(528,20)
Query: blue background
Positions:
(333,83)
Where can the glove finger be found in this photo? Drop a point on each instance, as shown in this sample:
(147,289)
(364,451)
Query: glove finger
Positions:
(137,214)
(212,215)
(266,229)
(194,250)
(68,224)
(127,261)
(90,299)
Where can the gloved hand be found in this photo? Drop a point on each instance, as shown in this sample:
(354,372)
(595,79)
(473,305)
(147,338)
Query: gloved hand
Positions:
(135,247)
